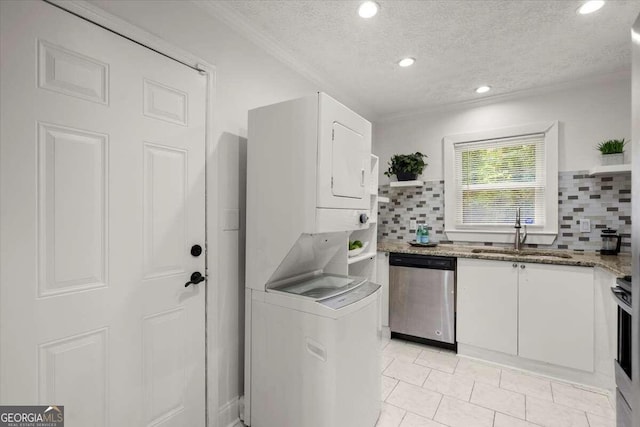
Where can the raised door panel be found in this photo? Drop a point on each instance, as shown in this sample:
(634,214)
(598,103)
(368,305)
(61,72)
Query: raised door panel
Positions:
(71,73)
(488,305)
(164,367)
(165,198)
(75,369)
(72,199)
(556,322)
(165,103)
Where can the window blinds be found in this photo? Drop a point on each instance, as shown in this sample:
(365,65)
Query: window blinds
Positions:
(495,177)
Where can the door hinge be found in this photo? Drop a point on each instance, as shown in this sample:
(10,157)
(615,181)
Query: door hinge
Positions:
(331,182)
(333,134)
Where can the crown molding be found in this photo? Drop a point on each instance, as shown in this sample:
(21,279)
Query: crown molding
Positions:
(224,12)
(525,93)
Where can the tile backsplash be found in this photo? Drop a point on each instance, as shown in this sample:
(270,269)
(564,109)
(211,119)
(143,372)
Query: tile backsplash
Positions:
(605,201)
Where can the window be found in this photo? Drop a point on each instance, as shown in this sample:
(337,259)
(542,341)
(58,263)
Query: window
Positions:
(489,175)
(497,176)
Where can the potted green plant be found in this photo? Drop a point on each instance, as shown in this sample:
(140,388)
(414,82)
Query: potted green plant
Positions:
(612,151)
(406,167)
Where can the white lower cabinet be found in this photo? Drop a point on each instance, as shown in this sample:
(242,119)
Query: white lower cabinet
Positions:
(556,315)
(488,305)
(540,312)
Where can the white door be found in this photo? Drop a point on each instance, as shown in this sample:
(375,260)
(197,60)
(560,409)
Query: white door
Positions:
(102,196)
(556,315)
(344,156)
(347,162)
(488,304)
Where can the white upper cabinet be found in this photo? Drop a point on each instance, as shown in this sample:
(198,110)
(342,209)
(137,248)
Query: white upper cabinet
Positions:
(344,156)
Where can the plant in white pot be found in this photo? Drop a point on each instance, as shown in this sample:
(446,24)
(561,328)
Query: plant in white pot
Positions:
(612,151)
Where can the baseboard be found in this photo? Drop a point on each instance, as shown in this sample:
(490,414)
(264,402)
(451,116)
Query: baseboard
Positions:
(582,378)
(228,414)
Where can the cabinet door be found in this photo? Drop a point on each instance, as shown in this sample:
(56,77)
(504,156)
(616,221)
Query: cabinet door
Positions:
(488,305)
(556,307)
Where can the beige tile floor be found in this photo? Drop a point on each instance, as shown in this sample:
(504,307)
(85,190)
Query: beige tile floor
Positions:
(427,387)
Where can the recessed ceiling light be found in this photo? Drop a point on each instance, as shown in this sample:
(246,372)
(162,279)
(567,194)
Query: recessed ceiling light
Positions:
(407,62)
(368,9)
(483,89)
(590,6)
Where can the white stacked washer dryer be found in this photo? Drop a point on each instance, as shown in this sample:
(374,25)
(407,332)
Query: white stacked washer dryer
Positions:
(312,332)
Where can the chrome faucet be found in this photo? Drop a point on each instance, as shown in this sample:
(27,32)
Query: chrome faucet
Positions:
(519,241)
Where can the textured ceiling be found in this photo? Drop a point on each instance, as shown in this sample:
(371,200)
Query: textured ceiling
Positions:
(459,45)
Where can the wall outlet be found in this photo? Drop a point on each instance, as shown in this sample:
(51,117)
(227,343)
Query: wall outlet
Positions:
(585,225)
(412,224)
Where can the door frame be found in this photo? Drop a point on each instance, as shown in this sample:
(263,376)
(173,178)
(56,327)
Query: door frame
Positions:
(106,20)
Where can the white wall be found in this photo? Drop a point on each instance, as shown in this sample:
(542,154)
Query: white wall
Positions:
(246,78)
(588,113)
(635,220)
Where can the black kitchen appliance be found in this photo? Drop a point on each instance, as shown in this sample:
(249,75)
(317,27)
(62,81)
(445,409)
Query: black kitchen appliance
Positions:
(623,362)
(610,242)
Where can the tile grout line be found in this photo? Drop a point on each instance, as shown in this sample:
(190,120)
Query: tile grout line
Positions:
(403,417)
(580,410)
(573,408)
(427,377)
(550,381)
(502,412)
(392,390)
(438,407)
(565,407)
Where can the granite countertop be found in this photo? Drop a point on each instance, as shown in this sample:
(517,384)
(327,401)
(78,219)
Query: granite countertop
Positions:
(620,264)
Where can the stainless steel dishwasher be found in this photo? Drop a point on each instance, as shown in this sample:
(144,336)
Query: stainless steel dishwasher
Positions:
(422,298)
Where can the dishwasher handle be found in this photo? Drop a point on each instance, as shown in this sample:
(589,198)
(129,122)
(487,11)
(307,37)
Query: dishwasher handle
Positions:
(422,261)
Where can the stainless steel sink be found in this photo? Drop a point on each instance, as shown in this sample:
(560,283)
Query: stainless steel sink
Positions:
(525,252)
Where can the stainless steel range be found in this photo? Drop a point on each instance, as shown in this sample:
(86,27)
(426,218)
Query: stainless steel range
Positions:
(625,356)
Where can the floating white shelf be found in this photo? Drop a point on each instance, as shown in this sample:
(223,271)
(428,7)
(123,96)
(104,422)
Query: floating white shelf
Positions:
(383,199)
(610,170)
(406,183)
(361,257)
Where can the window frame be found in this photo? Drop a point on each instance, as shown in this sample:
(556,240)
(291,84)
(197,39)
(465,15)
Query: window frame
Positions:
(545,234)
